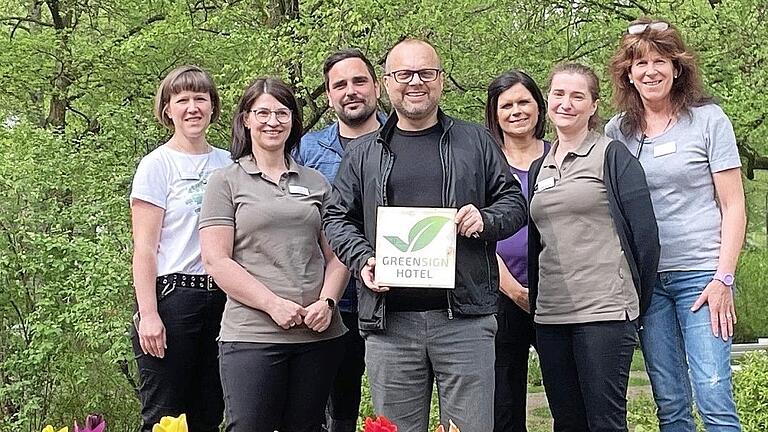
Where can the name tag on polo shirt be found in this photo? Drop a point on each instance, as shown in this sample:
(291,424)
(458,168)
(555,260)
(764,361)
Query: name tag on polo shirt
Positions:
(544,184)
(298,190)
(664,149)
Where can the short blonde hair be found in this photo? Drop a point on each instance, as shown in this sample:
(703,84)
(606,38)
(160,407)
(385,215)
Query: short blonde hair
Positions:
(185,78)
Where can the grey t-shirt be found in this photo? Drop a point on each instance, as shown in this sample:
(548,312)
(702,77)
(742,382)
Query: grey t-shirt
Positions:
(679,165)
(276,239)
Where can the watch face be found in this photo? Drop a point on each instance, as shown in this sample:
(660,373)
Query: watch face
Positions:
(331,303)
(725,278)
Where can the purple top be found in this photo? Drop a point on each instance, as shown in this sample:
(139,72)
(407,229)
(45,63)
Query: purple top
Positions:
(514,250)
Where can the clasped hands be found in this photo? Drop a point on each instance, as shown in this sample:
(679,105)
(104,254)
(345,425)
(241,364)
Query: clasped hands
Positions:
(288,314)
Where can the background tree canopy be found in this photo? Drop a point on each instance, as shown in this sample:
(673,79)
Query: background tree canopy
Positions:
(77,79)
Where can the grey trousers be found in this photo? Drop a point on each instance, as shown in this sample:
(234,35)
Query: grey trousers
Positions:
(419,347)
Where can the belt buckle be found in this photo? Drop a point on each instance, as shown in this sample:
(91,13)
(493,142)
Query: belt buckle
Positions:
(209,283)
(168,287)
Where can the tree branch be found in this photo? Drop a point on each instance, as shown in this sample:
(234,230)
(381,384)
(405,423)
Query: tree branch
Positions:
(19,20)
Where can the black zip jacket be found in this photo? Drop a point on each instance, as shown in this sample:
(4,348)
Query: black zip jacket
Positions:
(629,203)
(474,172)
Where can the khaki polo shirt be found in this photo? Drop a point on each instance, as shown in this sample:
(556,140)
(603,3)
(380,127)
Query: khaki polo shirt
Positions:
(583,273)
(276,239)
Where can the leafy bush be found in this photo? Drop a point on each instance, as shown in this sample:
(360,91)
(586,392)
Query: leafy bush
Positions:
(751,384)
(64,269)
(750,296)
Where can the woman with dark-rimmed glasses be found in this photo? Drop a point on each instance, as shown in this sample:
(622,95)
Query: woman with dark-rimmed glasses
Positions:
(687,147)
(262,240)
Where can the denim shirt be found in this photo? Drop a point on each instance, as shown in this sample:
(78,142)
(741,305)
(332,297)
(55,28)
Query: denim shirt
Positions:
(322,151)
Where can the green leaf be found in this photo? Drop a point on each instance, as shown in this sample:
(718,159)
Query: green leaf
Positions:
(424,231)
(396,242)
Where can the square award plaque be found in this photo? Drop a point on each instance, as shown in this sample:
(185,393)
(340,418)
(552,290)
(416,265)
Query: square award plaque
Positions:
(416,247)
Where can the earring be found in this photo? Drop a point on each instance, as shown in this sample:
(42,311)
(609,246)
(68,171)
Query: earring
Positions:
(674,76)
(631,81)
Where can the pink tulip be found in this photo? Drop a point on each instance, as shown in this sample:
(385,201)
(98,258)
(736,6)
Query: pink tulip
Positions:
(93,423)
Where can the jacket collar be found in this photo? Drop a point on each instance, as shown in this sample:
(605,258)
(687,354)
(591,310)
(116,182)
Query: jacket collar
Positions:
(249,165)
(388,129)
(330,137)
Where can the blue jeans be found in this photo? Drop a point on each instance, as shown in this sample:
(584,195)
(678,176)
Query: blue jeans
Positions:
(419,347)
(684,359)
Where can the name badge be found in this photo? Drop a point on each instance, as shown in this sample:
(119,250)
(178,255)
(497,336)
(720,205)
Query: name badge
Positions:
(664,149)
(298,190)
(545,184)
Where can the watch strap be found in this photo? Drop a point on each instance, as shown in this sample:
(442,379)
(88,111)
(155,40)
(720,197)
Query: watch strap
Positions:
(726,278)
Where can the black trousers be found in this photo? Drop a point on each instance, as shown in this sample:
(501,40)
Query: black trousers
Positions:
(282,387)
(186,380)
(586,372)
(343,406)
(513,341)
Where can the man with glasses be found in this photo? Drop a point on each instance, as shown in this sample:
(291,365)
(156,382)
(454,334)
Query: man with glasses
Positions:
(413,336)
(353,92)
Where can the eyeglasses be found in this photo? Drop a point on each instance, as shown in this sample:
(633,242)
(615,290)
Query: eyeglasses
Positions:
(636,29)
(263,115)
(405,76)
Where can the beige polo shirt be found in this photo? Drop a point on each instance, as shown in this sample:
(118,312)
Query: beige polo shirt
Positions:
(277,240)
(583,273)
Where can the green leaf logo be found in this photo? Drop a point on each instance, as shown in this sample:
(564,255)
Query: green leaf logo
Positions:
(396,242)
(421,234)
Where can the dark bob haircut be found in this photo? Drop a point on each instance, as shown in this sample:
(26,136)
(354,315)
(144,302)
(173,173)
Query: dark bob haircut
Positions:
(241,136)
(344,54)
(503,83)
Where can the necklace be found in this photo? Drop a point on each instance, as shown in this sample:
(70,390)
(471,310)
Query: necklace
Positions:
(195,164)
(644,137)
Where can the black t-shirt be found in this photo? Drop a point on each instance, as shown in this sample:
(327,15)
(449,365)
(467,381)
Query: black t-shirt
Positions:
(416,180)
(344,141)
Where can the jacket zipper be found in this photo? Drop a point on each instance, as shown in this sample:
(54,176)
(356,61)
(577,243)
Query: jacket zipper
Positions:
(487,263)
(385,176)
(444,163)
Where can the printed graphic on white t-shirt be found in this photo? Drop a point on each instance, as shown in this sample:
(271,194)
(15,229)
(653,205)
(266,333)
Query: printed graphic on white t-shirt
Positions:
(176,182)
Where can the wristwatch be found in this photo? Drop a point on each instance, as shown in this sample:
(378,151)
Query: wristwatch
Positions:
(330,302)
(726,278)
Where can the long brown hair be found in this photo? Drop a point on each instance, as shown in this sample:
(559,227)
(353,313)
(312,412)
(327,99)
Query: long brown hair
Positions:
(687,89)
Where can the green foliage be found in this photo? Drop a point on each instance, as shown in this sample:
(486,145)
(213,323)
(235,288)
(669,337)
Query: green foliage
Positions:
(63,305)
(750,296)
(751,384)
(76,87)
(641,412)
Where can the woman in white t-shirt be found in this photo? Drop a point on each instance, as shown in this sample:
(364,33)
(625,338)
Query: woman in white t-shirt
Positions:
(179,307)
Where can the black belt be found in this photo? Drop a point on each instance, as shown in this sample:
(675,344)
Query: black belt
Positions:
(167,283)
